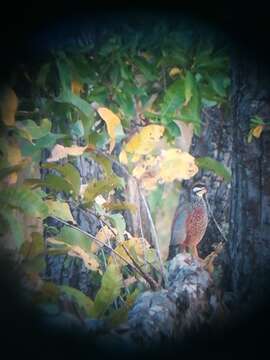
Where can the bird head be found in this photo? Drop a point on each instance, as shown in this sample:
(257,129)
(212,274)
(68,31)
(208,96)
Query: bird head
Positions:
(199,190)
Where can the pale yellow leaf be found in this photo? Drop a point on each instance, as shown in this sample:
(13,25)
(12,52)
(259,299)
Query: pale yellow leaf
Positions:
(100,200)
(123,157)
(133,244)
(113,124)
(57,242)
(61,152)
(83,187)
(105,234)
(150,182)
(129,281)
(149,164)
(145,140)
(89,261)
(176,164)
(8,106)
(175,71)
(14,155)
(256,132)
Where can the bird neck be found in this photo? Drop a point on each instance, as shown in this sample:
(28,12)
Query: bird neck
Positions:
(198,201)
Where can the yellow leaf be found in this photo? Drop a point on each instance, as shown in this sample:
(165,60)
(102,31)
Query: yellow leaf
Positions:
(76,87)
(149,182)
(60,152)
(113,124)
(105,234)
(256,132)
(146,55)
(89,261)
(8,106)
(176,164)
(14,155)
(133,244)
(145,140)
(119,206)
(123,157)
(175,71)
(100,200)
(145,166)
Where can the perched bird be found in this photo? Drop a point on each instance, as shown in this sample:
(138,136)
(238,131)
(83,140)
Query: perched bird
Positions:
(190,222)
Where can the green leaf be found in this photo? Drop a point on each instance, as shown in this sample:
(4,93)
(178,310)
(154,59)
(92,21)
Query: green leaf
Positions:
(120,315)
(155,199)
(31,249)
(118,221)
(189,86)
(34,130)
(98,187)
(191,112)
(53,182)
(25,200)
(70,174)
(43,75)
(59,209)
(14,225)
(110,289)
(98,139)
(173,98)
(145,68)
(83,301)
(74,237)
(219,83)
(46,142)
(173,129)
(77,129)
(69,98)
(208,163)
(35,265)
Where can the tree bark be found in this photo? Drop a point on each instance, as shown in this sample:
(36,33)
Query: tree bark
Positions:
(248,249)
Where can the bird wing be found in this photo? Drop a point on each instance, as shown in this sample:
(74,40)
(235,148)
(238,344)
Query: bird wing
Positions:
(178,232)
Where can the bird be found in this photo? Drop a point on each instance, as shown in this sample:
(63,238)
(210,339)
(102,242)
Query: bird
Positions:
(190,222)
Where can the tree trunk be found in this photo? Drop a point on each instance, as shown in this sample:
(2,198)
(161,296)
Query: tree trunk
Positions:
(248,248)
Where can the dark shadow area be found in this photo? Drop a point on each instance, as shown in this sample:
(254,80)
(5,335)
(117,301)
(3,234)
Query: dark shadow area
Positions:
(26,38)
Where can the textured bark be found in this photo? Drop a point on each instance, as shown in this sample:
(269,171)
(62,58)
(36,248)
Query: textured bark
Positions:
(63,269)
(168,315)
(215,142)
(248,248)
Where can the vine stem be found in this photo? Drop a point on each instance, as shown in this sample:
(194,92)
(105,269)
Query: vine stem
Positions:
(215,221)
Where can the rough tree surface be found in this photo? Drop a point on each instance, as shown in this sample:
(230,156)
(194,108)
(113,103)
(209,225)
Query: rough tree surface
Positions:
(249,247)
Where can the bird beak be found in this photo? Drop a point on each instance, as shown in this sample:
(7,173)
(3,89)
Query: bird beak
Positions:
(202,192)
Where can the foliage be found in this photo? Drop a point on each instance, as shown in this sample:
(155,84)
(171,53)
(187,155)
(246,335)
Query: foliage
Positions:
(118,104)
(257,125)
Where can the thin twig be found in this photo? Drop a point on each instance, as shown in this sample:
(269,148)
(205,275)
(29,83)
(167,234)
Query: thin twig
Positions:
(93,238)
(101,220)
(215,221)
(135,267)
(155,238)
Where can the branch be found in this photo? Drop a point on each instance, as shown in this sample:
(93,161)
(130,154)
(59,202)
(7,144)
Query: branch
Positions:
(155,236)
(136,268)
